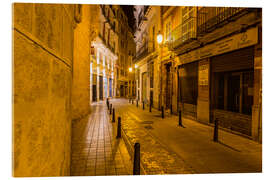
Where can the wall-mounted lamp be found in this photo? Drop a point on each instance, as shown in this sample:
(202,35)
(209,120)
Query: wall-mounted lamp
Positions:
(159,38)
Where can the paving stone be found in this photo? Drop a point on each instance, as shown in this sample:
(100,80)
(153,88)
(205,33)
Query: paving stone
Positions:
(94,146)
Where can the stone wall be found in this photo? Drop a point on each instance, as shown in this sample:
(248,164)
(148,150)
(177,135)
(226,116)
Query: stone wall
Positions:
(81,65)
(42,76)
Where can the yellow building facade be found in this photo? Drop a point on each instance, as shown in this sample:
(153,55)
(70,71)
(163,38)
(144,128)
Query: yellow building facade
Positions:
(209,66)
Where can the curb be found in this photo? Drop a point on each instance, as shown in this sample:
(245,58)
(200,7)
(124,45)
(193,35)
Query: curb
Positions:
(128,146)
(130,149)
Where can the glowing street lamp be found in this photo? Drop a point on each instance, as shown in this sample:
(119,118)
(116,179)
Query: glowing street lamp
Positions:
(136,66)
(130,69)
(159,38)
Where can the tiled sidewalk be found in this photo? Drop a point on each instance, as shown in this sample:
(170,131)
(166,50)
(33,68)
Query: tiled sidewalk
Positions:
(95,150)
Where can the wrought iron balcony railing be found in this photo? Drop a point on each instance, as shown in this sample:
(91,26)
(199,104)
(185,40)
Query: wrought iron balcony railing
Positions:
(209,18)
(107,17)
(107,44)
(182,34)
(143,51)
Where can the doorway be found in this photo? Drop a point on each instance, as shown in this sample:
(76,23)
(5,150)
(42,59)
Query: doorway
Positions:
(94,95)
(233,93)
(144,87)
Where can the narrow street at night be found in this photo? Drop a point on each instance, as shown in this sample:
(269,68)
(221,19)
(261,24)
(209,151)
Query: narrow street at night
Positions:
(166,147)
(108,90)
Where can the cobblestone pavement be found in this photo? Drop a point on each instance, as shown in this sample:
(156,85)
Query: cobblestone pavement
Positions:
(95,150)
(155,157)
(167,148)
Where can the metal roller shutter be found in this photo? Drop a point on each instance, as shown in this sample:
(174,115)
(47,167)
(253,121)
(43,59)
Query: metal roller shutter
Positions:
(234,61)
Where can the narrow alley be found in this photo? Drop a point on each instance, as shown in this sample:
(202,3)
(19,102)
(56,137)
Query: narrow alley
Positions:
(111,89)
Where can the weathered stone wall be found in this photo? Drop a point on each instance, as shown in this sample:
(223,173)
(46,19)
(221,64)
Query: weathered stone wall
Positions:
(81,66)
(42,57)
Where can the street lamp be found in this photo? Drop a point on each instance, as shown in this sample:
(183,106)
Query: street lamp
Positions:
(136,66)
(130,69)
(159,38)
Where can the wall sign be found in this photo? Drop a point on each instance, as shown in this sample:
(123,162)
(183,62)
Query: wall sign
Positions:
(203,75)
(241,40)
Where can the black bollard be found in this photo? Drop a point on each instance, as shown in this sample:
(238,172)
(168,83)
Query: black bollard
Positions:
(180,119)
(143,105)
(113,116)
(137,103)
(136,162)
(108,103)
(119,128)
(171,109)
(216,130)
(150,107)
(162,111)
(131,101)
(111,109)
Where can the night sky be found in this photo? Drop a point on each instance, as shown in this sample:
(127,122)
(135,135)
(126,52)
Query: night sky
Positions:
(128,9)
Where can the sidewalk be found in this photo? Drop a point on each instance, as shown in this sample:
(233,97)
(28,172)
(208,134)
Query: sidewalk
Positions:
(167,148)
(95,150)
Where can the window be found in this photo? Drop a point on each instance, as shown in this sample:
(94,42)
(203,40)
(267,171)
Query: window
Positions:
(153,37)
(188,76)
(98,56)
(151,74)
(188,21)
(168,31)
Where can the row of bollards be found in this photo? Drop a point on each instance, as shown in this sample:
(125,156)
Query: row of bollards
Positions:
(118,122)
(136,162)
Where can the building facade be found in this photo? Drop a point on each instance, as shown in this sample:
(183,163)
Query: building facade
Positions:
(147,50)
(50,84)
(103,57)
(112,52)
(210,66)
(125,78)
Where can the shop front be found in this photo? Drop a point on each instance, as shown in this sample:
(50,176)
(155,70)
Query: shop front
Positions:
(219,81)
(232,89)
(110,87)
(101,88)
(94,88)
(188,89)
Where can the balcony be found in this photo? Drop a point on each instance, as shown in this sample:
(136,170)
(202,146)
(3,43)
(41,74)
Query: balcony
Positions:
(107,44)
(142,16)
(182,34)
(142,52)
(107,17)
(210,18)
